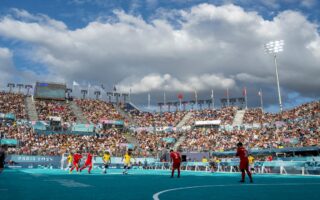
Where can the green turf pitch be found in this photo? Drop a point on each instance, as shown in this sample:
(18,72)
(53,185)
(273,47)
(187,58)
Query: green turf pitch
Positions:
(44,184)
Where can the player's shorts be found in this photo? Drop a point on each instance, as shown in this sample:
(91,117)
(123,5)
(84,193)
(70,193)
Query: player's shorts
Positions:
(75,163)
(251,166)
(106,165)
(88,163)
(244,164)
(127,166)
(176,165)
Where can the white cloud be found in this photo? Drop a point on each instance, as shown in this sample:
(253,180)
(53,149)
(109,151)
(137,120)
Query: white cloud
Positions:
(157,82)
(213,46)
(308,3)
(6,66)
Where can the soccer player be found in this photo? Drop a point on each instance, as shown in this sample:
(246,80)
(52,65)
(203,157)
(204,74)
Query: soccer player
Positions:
(127,162)
(244,162)
(3,150)
(69,160)
(88,162)
(76,161)
(251,163)
(176,162)
(106,161)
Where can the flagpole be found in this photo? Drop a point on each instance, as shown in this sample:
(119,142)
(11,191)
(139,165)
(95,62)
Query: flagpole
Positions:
(261,100)
(196,98)
(149,98)
(212,99)
(89,90)
(228,102)
(246,97)
(130,95)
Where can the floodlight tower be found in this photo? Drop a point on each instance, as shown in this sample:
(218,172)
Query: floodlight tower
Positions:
(273,48)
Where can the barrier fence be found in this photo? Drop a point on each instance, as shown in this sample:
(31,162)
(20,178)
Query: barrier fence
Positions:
(308,167)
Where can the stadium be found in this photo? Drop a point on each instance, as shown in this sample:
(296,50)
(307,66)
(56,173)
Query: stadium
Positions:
(90,118)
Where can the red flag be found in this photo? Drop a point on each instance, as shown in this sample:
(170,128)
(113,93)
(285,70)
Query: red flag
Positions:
(180,96)
(244,91)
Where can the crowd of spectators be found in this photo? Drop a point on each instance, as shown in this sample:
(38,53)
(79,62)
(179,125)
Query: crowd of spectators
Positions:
(298,127)
(226,115)
(31,143)
(13,103)
(95,110)
(152,143)
(304,111)
(161,119)
(50,108)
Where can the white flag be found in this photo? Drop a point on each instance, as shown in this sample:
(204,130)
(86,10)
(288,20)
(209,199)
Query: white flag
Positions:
(75,83)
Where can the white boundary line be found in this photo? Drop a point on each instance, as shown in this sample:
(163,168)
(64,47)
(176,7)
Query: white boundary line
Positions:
(156,195)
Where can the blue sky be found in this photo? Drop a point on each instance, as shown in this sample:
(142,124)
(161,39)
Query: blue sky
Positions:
(174,46)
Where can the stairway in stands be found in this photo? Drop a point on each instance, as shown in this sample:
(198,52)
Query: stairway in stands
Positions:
(238,118)
(183,122)
(78,112)
(124,114)
(31,109)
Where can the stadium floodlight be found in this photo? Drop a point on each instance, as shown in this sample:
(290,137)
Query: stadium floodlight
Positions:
(273,48)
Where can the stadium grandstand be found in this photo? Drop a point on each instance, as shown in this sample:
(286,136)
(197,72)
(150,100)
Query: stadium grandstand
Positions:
(118,126)
(161,100)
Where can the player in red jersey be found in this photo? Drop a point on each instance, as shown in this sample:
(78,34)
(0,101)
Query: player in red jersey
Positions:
(88,162)
(244,162)
(76,161)
(176,161)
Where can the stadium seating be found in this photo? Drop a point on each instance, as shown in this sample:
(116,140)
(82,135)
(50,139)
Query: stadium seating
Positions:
(297,127)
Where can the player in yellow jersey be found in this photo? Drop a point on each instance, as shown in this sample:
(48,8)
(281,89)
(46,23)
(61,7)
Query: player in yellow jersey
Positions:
(106,161)
(127,162)
(69,160)
(251,163)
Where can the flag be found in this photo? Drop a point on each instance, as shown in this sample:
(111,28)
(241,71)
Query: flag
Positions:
(102,86)
(75,83)
(260,93)
(114,88)
(212,94)
(244,91)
